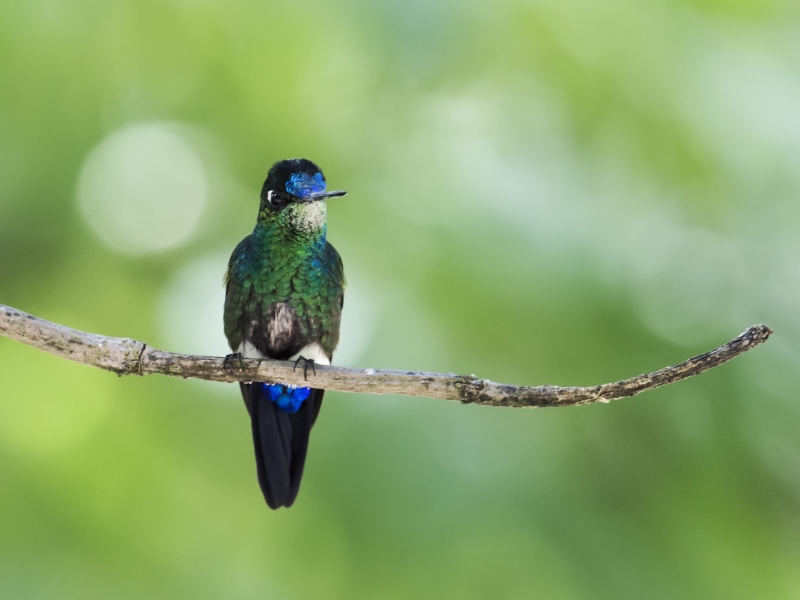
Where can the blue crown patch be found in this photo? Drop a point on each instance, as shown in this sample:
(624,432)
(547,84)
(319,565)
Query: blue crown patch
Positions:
(303,185)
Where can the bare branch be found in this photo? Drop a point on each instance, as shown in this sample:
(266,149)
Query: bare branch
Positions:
(129,357)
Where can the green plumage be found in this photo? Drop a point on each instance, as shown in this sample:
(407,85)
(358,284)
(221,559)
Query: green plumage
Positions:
(286,260)
(284,291)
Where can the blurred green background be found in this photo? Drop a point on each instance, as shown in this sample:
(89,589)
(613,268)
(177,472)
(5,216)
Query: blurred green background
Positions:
(561,191)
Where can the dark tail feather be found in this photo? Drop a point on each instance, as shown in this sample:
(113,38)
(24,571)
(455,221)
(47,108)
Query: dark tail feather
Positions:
(302,422)
(317,394)
(281,443)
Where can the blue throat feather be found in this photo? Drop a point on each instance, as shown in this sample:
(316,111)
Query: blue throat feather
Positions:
(289,398)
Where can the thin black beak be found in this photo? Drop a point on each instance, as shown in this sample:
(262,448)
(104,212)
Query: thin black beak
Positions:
(326,195)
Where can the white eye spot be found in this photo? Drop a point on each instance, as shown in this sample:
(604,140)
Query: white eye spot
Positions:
(143,189)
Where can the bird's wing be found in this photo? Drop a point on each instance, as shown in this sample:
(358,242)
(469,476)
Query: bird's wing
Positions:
(238,293)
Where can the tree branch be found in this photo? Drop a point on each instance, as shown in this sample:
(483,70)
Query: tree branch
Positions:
(129,357)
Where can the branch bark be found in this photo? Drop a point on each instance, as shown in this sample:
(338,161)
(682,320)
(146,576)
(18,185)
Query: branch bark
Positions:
(130,357)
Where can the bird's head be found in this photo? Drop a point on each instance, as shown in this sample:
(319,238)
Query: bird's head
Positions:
(294,195)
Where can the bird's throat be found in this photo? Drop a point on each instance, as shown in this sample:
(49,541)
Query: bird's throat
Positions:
(307,217)
(298,228)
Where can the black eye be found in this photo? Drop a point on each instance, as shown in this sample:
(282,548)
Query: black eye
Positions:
(273,199)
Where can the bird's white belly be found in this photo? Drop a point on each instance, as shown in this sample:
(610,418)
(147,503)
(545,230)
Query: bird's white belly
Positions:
(311,352)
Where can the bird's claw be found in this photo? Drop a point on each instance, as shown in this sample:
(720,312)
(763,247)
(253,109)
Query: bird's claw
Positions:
(306,363)
(227,364)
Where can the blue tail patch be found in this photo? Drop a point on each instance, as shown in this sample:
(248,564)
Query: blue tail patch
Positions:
(289,398)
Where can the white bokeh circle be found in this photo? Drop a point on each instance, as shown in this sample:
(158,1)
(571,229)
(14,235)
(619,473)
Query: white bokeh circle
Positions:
(143,189)
(191,306)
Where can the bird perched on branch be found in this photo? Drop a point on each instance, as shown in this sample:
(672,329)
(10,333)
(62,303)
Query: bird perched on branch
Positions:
(283,300)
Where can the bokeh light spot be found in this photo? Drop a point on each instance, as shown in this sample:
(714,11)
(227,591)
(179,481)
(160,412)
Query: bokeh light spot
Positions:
(190,311)
(143,189)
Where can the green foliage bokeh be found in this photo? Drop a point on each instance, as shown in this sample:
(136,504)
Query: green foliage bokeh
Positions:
(566,192)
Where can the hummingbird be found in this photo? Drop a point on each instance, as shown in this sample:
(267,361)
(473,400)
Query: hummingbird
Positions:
(284,292)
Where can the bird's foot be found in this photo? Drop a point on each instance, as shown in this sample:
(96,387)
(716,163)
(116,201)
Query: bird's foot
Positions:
(306,363)
(227,364)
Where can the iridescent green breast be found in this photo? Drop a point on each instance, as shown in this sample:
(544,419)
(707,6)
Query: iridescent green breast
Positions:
(285,288)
